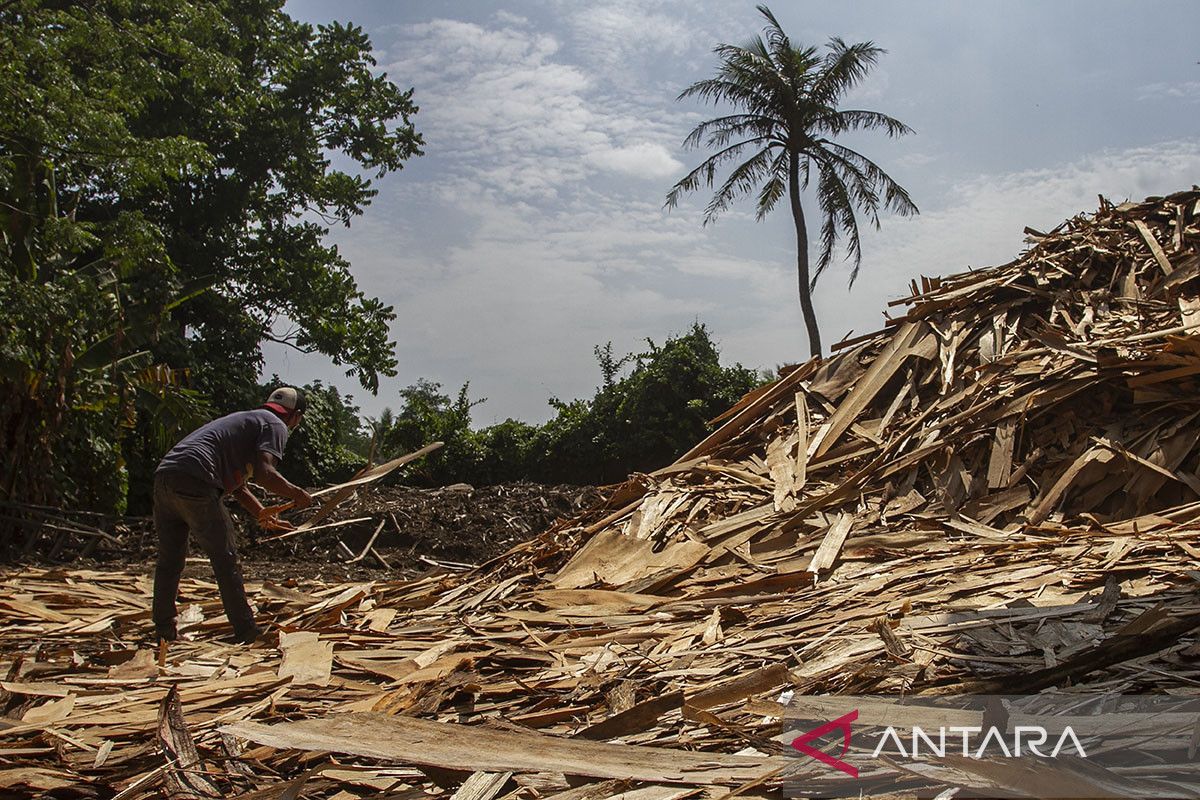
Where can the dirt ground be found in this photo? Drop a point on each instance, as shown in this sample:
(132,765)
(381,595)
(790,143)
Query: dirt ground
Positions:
(423,529)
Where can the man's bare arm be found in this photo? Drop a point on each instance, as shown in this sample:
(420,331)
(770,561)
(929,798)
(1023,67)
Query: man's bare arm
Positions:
(248,501)
(267,476)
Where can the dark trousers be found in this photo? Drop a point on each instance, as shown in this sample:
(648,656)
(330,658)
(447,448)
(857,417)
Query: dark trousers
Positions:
(184,505)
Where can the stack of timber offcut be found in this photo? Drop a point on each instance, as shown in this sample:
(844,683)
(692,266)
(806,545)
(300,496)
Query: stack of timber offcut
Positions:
(997,493)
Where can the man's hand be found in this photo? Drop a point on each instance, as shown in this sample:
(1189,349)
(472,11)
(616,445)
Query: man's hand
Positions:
(269,522)
(302,499)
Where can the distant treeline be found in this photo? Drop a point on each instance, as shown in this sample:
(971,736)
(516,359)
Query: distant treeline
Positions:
(648,409)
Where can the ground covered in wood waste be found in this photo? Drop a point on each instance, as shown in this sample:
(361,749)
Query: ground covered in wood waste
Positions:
(997,493)
(410,531)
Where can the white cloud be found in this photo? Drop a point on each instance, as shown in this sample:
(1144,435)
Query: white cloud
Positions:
(533,228)
(1187,90)
(512,119)
(914,160)
(642,160)
(511,19)
(980,221)
(612,34)
(875,87)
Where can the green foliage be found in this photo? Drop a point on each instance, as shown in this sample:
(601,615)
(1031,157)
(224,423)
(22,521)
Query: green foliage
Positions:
(167,180)
(162,165)
(68,412)
(325,447)
(427,416)
(638,421)
(783,133)
(644,420)
(295,97)
(505,452)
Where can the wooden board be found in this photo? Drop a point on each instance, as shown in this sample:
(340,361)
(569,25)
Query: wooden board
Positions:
(417,741)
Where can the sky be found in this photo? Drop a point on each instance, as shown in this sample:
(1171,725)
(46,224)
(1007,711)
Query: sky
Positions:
(533,228)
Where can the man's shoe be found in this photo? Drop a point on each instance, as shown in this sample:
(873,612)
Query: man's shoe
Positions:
(248,636)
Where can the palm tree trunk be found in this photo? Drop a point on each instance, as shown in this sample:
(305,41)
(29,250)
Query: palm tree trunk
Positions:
(806,306)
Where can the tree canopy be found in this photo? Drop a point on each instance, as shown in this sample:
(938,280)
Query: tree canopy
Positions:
(168,172)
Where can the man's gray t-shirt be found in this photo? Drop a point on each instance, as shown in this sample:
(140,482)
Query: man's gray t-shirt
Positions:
(223,452)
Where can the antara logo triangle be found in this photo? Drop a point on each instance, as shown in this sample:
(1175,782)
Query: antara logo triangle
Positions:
(842,723)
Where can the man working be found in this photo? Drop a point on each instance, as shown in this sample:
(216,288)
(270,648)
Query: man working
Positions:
(188,485)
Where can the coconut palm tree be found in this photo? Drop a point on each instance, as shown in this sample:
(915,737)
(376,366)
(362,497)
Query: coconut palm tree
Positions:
(787,119)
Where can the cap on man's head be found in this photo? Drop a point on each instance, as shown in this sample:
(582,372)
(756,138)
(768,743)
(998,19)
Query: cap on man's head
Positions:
(286,400)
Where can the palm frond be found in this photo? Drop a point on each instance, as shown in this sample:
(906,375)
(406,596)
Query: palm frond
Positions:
(706,173)
(778,40)
(857,184)
(837,210)
(741,181)
(895,196)
(839,121)
(718,132)
(843,67)
(722,90)
(774,187)
(805,169)
(786,107)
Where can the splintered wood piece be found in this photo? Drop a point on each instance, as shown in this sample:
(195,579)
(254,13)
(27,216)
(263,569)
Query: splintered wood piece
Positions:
(382,470)
(368,547)
(613,558)
(831,545)
(997,491)
(341,523)
(1155,248)
(747,415)
(1046,504)
(341,492)
(408,740)
(1000,461)
(802,423)
(1189,313)
(881,369)
(183,774)
(782,464)
(757,682)
(50,712)
(482,786)
(633,720)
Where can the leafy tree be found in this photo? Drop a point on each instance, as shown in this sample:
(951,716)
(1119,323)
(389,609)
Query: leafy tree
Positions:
(428,415)
(289,99)
(787,98)
(649,408)
(80,297)
(162,163)
(68,402)
(575,446)
(643,420)
(504,452)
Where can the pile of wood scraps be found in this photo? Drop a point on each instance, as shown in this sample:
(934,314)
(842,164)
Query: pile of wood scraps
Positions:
(997,493)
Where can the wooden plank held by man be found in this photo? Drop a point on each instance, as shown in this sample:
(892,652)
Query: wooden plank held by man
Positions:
(335,495)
